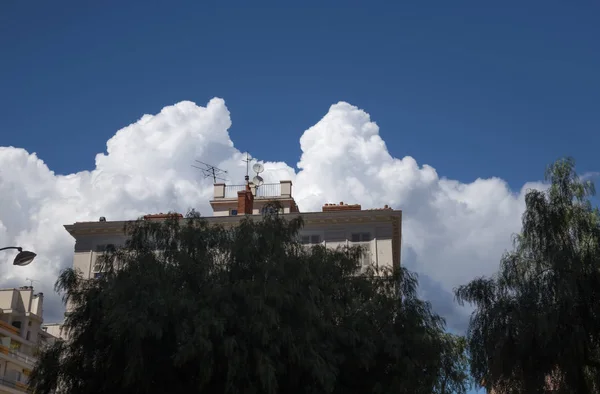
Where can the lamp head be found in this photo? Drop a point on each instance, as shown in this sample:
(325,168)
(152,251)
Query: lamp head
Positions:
(24,257)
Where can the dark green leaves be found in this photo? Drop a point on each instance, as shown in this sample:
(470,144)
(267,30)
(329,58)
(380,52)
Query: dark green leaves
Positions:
(537,322)
(203,309)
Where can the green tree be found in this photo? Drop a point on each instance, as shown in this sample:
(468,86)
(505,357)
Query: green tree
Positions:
(454,373)
(188,307)
(536,323)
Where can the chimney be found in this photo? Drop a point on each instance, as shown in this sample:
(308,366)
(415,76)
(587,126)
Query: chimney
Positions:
(245,200)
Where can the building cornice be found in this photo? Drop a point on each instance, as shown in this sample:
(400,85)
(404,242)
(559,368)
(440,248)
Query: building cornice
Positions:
(310,218)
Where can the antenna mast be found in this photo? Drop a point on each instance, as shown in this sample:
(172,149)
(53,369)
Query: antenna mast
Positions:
(248,159)
(211,171)
(31,281)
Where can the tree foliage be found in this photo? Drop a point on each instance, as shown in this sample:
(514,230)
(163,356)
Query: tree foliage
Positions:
(188,307)
(536,325)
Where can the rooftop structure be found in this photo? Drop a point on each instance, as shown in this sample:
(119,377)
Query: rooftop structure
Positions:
(250,199)
(378,231)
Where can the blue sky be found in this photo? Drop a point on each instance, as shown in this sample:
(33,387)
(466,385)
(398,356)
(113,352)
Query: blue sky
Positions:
(472,89)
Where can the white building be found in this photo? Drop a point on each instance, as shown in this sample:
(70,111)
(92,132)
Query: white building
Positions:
(22,335)
(377,230)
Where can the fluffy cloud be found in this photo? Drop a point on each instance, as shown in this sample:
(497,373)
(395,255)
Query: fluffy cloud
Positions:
(452,231)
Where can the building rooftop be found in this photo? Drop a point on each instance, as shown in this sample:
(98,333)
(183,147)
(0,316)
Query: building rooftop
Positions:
(230,202)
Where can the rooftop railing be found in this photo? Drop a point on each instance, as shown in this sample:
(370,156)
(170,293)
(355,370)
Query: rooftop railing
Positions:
(232,190)
(281,189)
(264,190)
(269,190)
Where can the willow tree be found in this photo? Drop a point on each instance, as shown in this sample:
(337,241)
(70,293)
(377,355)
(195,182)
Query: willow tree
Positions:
(536,324)
(188,307)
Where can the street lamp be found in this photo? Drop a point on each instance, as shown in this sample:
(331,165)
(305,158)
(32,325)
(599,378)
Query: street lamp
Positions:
(24,257)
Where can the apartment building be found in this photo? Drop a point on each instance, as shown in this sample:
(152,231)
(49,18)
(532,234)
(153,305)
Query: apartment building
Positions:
(377,230)
(22,335)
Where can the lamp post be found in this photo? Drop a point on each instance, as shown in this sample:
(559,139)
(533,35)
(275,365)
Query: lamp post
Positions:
(24,257)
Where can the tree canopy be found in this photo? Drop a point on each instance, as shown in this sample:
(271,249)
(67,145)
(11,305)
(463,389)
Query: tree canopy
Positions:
(186,306)
(536,324)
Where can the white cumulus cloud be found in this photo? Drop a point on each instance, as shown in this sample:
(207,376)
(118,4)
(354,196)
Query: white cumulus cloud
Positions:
(452,231)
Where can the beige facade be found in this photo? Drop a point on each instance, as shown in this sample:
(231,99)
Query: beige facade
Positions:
(54,329)
(21,336)
(378,230)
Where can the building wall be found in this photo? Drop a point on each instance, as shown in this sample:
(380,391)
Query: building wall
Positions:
(380,245)
(54,329)
(88,248)
(37,304)
(7,299)
(25,299)
(13,378)
(223,208)
(20,336)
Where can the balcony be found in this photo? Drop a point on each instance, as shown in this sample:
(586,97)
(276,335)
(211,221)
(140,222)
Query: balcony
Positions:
(283,189)
(18,386)
(29,360)
(9,327)
(266,190)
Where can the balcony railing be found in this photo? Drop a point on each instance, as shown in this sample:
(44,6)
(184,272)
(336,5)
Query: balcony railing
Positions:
(265,190)
(15,385)
(232,190)
(269,190)
(9,327)
(18,355)
(282,189)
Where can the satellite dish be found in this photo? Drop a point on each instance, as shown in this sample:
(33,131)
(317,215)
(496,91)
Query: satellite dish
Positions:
(257,180)
(258,168)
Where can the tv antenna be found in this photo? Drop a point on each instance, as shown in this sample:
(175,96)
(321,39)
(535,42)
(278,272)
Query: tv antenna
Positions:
(210,171)
(31,281)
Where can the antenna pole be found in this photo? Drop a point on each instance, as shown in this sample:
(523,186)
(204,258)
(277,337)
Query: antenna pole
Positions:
(248,160)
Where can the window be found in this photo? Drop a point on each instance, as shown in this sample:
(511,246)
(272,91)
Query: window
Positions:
(99,262)
(28,335)
(310,239)
(364,240)
(365,258)
(98,266)
(234,212)
(360,237)
(271,210)
(104,247)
